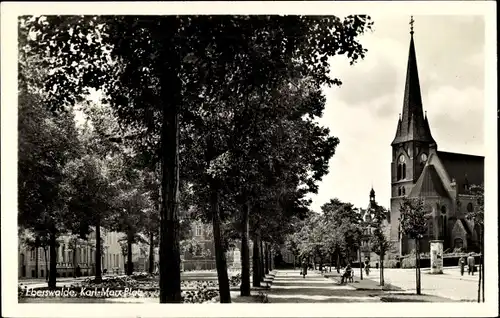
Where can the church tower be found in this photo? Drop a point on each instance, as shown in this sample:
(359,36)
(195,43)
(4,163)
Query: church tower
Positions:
(413,141)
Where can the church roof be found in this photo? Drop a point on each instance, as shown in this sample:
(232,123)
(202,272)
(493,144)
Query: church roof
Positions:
(466,226)
(412,125)
(465,169)
(429,184)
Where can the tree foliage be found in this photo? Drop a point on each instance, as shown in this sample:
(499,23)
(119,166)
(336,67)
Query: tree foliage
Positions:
(414,217)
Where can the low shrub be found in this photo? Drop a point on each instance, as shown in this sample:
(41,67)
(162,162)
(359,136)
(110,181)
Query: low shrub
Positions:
(408,262)
(198,296)
(235,280)
(392,263)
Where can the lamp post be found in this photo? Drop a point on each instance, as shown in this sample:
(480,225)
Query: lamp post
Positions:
(400,237)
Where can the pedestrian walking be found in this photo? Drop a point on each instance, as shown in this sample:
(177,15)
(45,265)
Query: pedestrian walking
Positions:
(470,264)
(304,267)
(461,263)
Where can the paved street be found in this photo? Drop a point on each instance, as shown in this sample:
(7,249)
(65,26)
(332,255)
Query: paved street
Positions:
(289,287)
(449,284)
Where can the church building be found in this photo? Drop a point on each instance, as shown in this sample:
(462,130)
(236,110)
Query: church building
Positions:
(441,178)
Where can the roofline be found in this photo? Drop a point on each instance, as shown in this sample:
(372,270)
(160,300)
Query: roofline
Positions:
(459,154)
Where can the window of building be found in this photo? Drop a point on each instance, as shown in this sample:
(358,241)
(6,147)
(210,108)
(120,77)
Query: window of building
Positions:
(198,230)
(443,209)
(401,169)
(403,191)
(443,222)
(32,255)
(470,207)
(42,273)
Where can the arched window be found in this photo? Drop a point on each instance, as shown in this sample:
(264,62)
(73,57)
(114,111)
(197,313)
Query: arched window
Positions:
(470,207)
(399,191)
(443,222)
(401,173)
(403,191)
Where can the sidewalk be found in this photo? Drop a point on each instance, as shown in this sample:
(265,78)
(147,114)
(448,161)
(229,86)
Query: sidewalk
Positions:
(448,285)
(290,287)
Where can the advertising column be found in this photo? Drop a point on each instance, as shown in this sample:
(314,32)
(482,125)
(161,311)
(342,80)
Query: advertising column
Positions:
(436,257)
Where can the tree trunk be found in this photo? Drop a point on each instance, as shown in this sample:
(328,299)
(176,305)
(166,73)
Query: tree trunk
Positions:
(271,263)
(36,262)
(481,260)
(267,264)
(53,261)
(417,264)
(46,263)
(245,259)
(338,262)
(381,269)
(74,261)
(263,267)
(256,263)
(130,265)
(220,255)
(170,263)
(98,273)
(151,266)
(360,265)
(480,269)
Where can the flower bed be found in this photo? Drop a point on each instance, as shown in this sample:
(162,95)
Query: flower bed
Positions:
(199,291)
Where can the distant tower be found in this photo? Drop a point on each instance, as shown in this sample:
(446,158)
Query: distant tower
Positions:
(372,196)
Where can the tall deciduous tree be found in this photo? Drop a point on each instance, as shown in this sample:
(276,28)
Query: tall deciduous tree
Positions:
(477,216)
(47,142)
(414,220)
(379,242)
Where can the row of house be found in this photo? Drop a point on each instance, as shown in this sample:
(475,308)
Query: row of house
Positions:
(73,254)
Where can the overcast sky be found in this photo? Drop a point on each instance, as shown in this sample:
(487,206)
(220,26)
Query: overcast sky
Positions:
(363,112)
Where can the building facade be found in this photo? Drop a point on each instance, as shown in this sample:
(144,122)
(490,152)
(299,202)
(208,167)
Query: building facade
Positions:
(74,253)
(441,178)
(367,216)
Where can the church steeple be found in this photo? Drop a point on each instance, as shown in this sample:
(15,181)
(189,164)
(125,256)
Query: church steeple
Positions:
(412,125)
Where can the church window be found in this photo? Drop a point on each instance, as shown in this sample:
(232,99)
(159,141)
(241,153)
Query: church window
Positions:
(399,191)
(470,207)
(401,171)
(443,221)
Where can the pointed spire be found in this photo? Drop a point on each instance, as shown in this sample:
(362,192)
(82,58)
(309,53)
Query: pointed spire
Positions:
(413,125)
(411,25)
